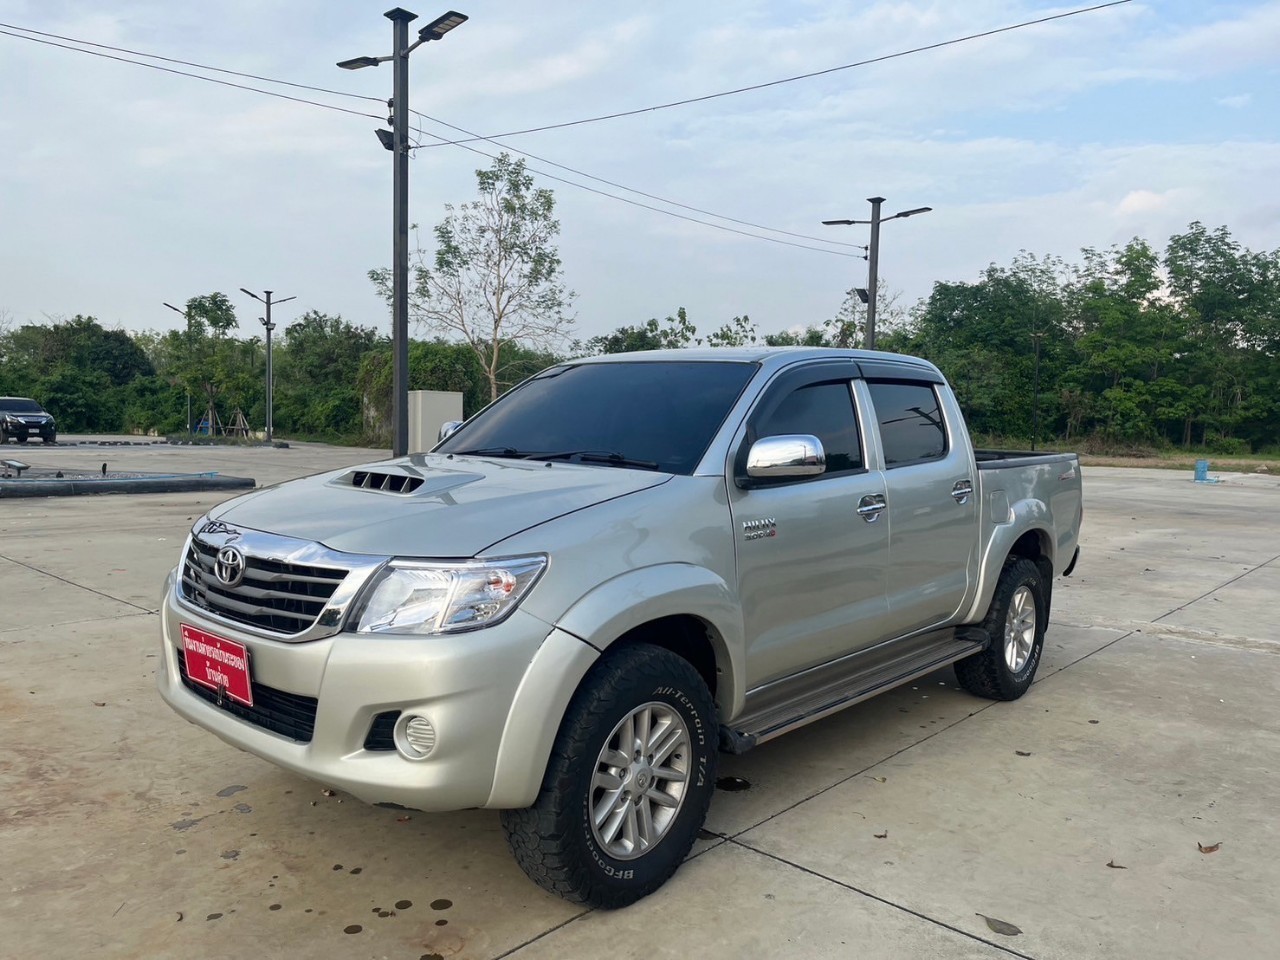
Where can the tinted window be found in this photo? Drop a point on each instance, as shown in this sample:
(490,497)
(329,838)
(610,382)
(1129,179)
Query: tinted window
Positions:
(824,410)
(664,413)
(20,405)
(911,427)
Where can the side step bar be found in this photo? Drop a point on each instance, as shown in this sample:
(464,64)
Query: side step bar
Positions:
(752,729)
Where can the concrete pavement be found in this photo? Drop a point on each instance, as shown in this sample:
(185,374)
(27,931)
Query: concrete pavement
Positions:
(890,830)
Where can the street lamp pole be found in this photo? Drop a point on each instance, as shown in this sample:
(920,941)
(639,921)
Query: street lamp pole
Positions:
(266,322)
(187,317)
(398,144)
(873,256)
(1035,391)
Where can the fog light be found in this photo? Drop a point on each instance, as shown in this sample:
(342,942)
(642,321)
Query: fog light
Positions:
(415,737)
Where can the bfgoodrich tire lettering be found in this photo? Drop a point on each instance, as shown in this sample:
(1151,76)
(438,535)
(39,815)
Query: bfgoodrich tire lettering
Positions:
(1016,623)
(638,740)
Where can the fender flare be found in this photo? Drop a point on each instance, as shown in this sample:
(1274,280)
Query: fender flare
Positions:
(637,597)
(533,721)
(585,631)
(1025,516)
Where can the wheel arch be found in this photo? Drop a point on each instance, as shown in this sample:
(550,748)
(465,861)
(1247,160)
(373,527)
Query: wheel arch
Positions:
(682,608)
(1027,535)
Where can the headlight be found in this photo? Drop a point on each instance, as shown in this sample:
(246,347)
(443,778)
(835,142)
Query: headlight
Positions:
(417,597)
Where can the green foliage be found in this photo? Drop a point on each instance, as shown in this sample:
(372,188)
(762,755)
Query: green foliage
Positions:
(675,332)
(1134,348)
(316,370)
(1130,348)
(810,336)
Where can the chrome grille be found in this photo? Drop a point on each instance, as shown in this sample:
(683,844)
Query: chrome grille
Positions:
(275,595)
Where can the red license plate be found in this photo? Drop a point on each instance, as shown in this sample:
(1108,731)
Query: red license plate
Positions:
(218,664)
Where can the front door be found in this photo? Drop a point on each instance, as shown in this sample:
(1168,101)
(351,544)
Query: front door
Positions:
(811,568)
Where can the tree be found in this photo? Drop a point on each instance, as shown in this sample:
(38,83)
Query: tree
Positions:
(495,279)
(209,362)
(738,332)
(317,369)
(651,335)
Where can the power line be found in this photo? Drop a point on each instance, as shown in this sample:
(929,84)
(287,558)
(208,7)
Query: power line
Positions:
(619,186)
(802,76)
(645,206)
(421,133)
(190,63)
(194,76)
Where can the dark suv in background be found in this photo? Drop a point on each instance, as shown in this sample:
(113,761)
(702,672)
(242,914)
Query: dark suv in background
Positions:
(22,418)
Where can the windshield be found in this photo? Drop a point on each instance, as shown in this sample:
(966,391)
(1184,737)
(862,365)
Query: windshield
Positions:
(19,405)
(655,415)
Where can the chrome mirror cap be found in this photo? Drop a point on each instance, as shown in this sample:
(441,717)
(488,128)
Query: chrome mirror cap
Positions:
(793,455)
(448,428)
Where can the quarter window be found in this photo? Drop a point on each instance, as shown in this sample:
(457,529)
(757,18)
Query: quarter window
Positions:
(824,410)
(911,426)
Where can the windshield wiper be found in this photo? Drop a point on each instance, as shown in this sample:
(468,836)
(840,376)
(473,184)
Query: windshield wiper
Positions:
(507,452)
(598,456)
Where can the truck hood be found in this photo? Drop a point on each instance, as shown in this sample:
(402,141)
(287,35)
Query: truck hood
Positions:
(456,508)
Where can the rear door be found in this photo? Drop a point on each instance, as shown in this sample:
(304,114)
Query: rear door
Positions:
(932,503)
(811,569)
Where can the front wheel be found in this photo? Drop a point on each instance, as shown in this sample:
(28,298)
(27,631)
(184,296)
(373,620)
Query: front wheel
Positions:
(1016,623)
(628,783)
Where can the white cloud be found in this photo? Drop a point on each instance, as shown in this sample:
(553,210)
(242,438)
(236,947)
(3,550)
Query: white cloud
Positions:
(1142,202)
(115,176)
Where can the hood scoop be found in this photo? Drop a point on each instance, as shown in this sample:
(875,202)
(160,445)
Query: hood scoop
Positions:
(384,482)
(404,481)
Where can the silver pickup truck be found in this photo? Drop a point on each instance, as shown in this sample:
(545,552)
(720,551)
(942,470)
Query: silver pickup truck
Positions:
(616,570)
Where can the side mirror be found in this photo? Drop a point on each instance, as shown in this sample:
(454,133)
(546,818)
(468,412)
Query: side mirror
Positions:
(448,429)
(792,455)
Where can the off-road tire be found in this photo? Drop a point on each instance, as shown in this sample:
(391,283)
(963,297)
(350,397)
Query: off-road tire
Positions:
(988,674)
(553,840)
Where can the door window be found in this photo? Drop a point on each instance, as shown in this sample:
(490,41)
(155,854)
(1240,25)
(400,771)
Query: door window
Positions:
(911,425)
(824,410)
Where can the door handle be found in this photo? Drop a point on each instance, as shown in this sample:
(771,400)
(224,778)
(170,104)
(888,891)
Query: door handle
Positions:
(962,490)
(870,507)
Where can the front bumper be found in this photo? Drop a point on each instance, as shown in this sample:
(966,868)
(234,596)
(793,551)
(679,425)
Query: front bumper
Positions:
(45,431)
(464,684)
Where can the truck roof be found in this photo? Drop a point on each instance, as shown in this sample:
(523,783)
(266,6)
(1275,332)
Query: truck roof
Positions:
(764,355)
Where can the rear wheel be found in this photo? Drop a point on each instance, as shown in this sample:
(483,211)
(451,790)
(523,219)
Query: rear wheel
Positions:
(1016,623)
(22,438)
(628,783)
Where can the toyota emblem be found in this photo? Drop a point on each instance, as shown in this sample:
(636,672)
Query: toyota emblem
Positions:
(229,567)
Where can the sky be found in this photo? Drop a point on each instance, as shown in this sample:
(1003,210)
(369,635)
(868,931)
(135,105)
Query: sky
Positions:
(123,187)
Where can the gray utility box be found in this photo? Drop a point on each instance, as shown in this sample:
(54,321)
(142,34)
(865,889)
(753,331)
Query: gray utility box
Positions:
(428,409)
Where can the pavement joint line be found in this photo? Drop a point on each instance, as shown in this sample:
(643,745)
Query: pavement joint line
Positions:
(73,623)
(1086,656)
(1210,593)
(72,583)
(871,766)
(888,903)
(857,773)
(545,933)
